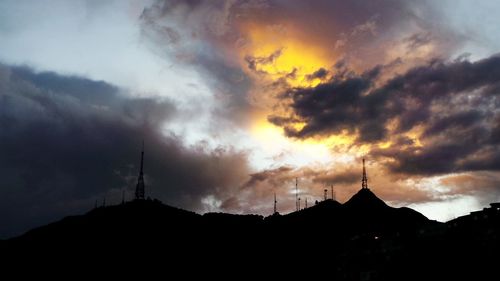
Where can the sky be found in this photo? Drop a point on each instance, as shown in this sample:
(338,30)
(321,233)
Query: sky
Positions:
(236,99)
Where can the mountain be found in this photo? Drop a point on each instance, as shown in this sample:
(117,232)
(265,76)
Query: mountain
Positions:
(365,199)
(362,239)
(151,221)
(365,212)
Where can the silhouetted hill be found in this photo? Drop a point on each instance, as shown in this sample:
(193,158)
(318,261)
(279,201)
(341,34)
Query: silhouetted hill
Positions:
(324,209)
(363,239)
(365,199)
(363,214)
(138,219)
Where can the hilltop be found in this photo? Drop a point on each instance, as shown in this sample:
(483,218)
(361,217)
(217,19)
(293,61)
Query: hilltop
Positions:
(364,213)
(362,239)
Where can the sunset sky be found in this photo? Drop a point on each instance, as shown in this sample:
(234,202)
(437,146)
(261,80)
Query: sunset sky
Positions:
(235,99)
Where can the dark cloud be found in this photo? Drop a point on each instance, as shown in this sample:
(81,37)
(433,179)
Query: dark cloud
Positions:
(272,175)
(68,141)
(328,108)
(455,103)
(215,36)
(92,92)
(453,122)
(318,74)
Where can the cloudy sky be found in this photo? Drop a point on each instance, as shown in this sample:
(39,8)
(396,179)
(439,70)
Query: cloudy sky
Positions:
(235,99)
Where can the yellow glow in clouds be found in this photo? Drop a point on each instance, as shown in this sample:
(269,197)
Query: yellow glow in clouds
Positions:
(297,59)
(272,140)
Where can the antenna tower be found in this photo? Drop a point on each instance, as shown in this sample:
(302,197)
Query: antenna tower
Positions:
(364,180)
(275,211)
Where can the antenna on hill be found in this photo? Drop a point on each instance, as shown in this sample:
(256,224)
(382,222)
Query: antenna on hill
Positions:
(306,203)
(275,211)
(333,194)
(364,180)
(326,192)
(104,201)
(139,188)
(297,206)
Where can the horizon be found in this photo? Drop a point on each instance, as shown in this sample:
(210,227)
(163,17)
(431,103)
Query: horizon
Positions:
(317,200)
(235,100)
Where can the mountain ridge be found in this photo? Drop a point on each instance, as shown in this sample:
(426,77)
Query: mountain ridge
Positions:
(362,239)
(363,208)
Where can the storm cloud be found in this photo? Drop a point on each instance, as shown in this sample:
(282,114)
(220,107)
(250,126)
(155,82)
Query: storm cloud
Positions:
(454,104)
(231,41)
(69,141)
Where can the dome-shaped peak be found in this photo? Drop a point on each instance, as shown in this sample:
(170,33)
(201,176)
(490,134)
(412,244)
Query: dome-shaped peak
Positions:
(366,199)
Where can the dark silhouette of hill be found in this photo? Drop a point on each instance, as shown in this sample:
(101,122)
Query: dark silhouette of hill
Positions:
(368,213)
(365,199)
(362,239)
(363,214)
